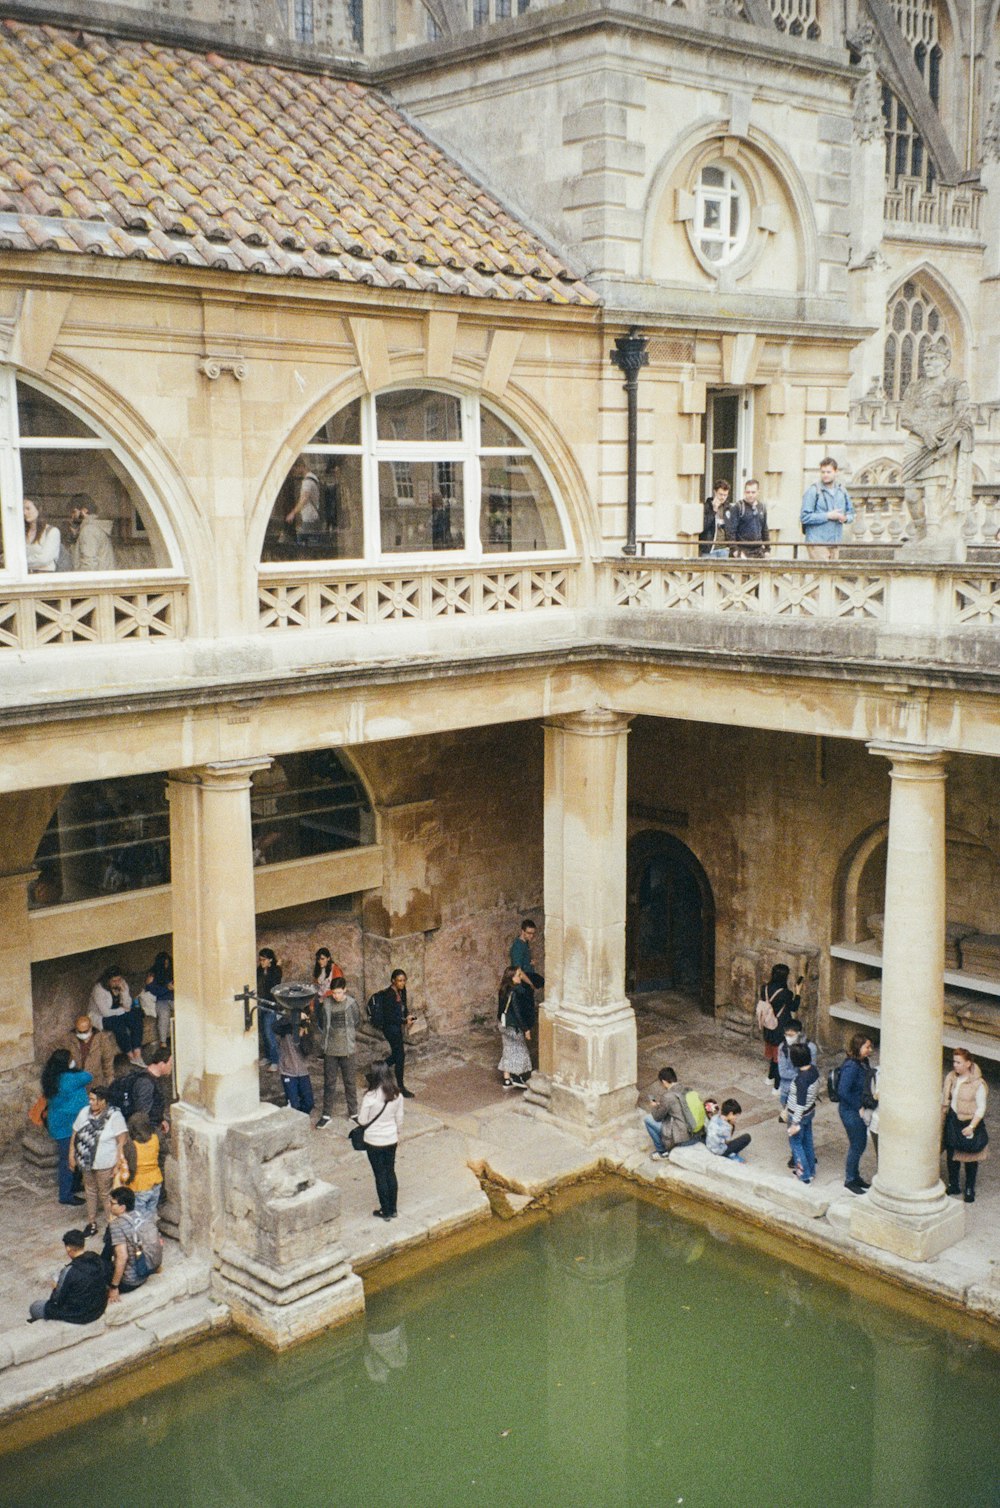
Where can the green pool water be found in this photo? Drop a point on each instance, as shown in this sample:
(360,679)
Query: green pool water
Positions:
(613,1353)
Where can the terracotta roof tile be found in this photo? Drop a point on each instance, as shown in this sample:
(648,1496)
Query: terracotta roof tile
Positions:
(141,151)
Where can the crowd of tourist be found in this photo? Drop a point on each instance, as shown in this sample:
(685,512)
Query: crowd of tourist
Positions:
(107,1088)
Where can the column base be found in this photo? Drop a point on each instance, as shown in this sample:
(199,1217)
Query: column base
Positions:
(917,1234)
(248,1195)
(589,1067)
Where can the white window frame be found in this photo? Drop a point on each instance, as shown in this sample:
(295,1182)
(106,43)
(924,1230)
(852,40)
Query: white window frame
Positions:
(734,187)
(466,453)
(15,567)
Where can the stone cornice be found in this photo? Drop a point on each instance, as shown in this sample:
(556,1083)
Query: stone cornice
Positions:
(596,651)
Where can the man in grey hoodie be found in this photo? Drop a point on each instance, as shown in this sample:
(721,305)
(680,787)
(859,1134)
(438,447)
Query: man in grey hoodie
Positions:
(339,1018)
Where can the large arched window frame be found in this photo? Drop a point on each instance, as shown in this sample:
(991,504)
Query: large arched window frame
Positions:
(148,532)
(474,457)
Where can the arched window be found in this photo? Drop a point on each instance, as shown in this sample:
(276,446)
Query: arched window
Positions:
(68,501)
(111,836)
(913,322)
(414,471)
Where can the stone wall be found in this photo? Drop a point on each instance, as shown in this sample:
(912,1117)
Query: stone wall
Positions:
(773,819)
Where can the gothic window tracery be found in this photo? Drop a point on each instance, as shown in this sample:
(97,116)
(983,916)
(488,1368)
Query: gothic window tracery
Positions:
(798,18)
(913,322)
(905,153)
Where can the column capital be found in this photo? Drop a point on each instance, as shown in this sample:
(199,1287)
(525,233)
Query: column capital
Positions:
(222,774)
(593,722)
(911,761)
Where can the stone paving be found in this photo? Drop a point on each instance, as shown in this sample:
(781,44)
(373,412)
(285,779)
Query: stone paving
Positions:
(461,1124)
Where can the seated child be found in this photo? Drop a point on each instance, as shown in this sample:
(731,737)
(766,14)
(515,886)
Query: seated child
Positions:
(719,1133)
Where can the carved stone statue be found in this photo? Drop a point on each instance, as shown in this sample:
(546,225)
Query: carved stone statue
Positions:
(937,470)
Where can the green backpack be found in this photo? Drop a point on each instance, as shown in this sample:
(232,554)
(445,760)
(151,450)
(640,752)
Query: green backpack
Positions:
(694,1111)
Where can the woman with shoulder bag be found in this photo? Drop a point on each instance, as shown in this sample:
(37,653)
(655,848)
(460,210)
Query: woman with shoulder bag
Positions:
(516,1019)
(775,1008)
(965,1137)
(381,1118)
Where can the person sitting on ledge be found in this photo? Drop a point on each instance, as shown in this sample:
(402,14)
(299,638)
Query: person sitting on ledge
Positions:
(132,1250)
(719,1132)
(80,1291)
(666,1123)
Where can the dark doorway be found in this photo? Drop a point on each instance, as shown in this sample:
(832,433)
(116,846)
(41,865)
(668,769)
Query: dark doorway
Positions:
(670,932)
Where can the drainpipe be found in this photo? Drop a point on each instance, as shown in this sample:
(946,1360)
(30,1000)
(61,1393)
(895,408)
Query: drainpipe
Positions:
(630,356)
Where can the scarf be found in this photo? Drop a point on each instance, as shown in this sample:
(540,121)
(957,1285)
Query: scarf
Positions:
(87,1138)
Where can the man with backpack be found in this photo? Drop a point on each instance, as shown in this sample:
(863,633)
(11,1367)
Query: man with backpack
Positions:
(673,1120)
(132,1246)
(145,1089)
(389,1013)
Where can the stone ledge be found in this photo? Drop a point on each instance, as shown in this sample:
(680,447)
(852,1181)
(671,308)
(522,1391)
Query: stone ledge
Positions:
(787,1193)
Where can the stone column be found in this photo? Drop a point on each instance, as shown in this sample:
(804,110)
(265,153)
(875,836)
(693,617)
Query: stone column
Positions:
(18,1075)
(588,1042)
(249,1201)
(906,1211)
(215,945)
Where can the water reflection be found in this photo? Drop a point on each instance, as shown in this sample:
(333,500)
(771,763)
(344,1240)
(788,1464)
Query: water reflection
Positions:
(612,1355)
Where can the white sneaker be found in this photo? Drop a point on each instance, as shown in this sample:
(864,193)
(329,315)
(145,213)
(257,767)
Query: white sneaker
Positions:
(323,1122)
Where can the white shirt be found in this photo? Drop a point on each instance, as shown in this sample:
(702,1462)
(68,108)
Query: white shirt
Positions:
(386,1129)
(106,1151)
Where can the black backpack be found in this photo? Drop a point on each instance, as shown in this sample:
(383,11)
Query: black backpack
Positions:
(121,1092)
(833,1082)
(375,1013)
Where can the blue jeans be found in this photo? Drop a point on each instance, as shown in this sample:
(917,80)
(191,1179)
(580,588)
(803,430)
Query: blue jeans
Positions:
(857,1137)
(656,1135)
(65,1174)
(147,1200)
(267,1020)
(803,1149)
(298,1091)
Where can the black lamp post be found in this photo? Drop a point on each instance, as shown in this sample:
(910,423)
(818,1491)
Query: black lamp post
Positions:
(630,355)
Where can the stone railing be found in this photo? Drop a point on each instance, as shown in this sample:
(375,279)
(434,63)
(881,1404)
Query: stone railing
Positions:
(33,616)
(882,516)
(297,599)
(919,597)
(944,209)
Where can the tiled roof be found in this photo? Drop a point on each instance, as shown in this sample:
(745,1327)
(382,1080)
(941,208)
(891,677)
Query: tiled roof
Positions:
(133,150)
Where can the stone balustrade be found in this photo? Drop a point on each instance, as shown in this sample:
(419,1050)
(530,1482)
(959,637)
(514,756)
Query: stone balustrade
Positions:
(906,597)
(883,517)
(125,609)
(291,598)
(945,208)
(866,585)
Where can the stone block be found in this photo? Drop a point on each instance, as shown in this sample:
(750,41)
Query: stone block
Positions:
(595,122)
(256,1141)
(614,155)
(39,1150)
(917,1238)
(163,1288)
(835,129)
(286,1327)
(184,1321)
(47,1337)
(595,188)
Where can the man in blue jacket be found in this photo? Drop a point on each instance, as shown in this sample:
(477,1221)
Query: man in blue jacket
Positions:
(826,508)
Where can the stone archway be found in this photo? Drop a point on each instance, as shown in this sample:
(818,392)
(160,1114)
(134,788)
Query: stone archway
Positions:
(670,920)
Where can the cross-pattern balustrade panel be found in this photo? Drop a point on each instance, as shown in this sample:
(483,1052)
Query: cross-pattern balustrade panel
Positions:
(38,616)
(289,601)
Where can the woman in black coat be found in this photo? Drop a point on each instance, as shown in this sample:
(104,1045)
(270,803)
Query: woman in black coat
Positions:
(516,1020)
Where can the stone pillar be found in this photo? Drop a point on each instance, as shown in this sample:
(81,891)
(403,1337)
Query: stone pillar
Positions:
(906,1211)
(587,1049)
(248,1199)
(18,1074)
(215,945)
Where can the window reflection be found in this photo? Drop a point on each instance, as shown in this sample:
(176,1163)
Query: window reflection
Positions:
(82,511)
(421,505)
(112,836)
(105,836)
(518,511)
(446,475)
(413,415)
(317,513)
